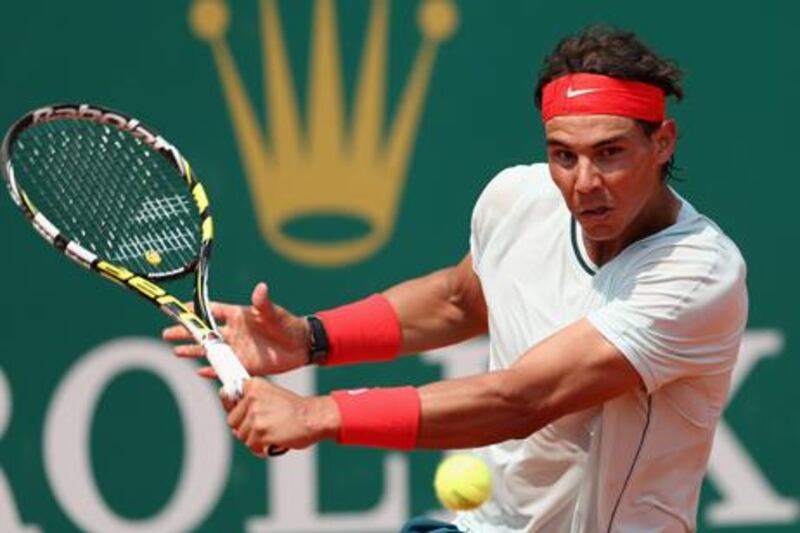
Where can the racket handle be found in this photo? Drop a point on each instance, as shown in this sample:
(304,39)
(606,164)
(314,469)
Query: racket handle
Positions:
(232,375)
(227,366)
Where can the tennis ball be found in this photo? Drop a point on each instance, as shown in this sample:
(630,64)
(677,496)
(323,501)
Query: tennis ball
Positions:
(462,482)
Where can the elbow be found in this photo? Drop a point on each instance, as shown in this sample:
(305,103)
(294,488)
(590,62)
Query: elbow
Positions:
(523,410)
(465,301)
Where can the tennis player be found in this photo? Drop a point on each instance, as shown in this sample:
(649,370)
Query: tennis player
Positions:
(614,309)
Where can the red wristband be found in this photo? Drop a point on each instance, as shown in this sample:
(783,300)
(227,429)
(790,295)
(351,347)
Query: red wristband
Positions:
(380,418)
(363,331)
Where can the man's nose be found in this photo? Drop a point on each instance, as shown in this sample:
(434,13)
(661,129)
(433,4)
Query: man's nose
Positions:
(588,177)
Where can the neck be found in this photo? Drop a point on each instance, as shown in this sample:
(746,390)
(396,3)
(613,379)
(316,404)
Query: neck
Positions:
(659,213)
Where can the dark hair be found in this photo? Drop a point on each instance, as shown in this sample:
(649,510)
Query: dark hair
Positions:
(616,53)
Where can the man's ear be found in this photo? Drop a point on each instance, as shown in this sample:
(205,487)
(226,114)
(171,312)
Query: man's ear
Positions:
(664,138)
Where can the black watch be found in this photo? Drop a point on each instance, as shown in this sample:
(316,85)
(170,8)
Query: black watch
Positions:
(318,341)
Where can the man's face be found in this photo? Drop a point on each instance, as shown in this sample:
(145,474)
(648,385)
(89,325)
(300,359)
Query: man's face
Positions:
(607,169)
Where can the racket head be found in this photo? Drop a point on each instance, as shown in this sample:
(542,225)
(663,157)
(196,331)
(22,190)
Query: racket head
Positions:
(100,185)
(117,198)
(114,196)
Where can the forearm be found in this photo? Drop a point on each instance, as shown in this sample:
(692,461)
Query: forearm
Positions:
(438,309)
(461,413)
(477,411)
(570,371)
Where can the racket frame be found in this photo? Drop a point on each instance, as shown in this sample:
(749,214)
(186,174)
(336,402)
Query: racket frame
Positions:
(201,325)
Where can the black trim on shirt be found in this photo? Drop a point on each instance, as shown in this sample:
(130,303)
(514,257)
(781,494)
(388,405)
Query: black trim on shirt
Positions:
(573,234)
(633,464)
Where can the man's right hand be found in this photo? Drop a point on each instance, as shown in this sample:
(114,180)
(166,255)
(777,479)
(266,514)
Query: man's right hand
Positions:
(267,338)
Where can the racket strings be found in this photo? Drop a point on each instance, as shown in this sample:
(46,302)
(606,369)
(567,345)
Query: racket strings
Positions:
(159,208)
(137,246)
(110,192)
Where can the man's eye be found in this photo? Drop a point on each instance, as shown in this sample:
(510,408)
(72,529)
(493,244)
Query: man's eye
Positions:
(610,151)
(564,157)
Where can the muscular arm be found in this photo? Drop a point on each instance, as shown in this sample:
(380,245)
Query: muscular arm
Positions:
(441,308)
(572,370)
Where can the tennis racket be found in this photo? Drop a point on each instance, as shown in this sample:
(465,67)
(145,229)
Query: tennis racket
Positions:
(121,201)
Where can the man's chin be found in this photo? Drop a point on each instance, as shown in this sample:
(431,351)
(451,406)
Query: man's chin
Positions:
(599,232)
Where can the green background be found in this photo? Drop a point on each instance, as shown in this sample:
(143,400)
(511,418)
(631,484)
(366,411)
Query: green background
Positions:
(738,128)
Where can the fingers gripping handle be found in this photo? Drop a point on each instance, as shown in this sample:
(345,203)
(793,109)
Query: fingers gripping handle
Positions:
(227,366)
(232,375)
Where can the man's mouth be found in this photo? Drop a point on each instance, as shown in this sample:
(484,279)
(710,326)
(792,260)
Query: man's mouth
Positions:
(594,213)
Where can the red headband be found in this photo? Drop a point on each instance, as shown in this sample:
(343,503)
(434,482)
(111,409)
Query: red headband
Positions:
(593,94)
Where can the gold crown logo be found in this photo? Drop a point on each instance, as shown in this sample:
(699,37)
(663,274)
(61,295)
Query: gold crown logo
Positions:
(331,167)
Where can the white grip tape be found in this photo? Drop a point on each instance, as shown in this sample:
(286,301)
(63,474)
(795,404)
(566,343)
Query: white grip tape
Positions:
(227,366)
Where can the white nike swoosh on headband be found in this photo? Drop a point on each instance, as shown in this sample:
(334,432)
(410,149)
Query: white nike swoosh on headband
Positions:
(573,93)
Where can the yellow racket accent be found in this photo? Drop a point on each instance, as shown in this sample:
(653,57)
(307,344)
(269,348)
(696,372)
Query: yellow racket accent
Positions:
(208,229)
(147,288)
(189,177)
(152,257)
(114,272)
(29,204)
(176,308)
(200,197)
